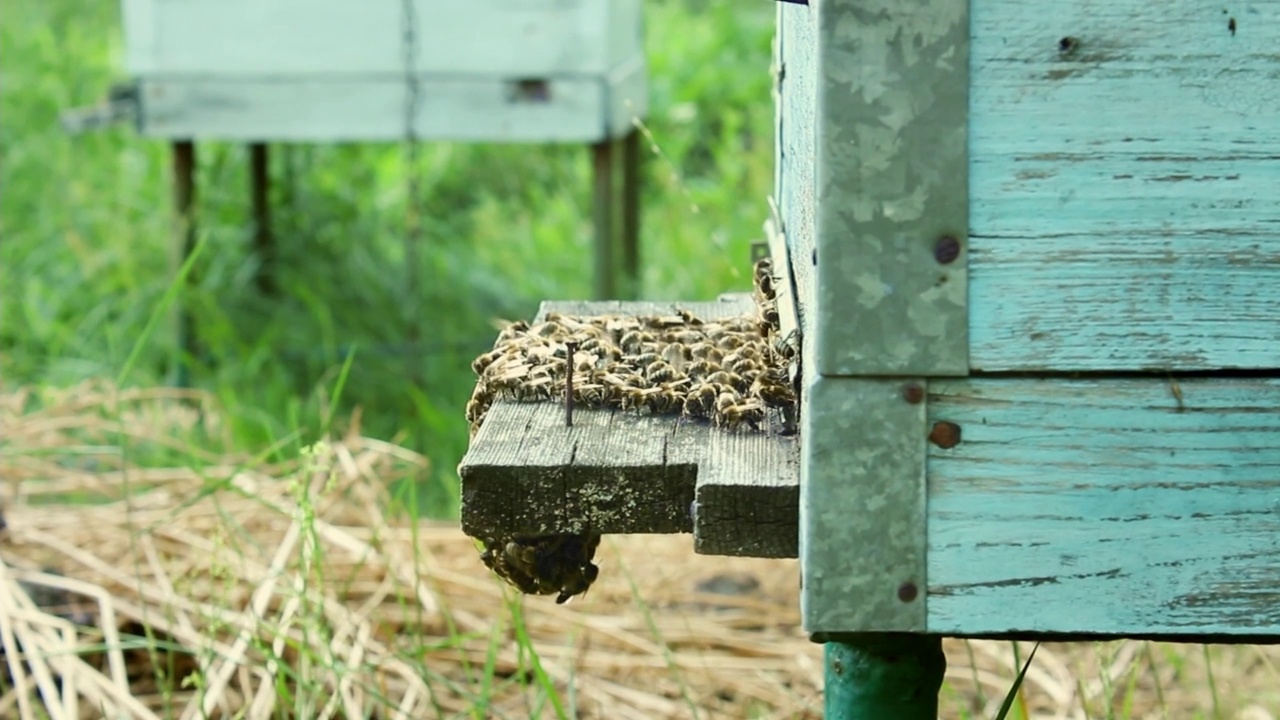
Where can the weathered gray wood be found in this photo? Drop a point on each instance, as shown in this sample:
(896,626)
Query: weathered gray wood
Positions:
(796,173)
(336,107)
(1132,507)
(613,472)
(748,495)
(528,474)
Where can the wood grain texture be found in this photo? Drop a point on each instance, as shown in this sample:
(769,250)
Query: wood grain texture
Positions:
(250,38)
(1122,507)
(796,174)
(612,472)
(335,108)
(748,494)
(1123,175)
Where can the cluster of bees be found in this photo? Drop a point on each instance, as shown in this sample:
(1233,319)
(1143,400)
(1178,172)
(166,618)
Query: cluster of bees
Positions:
(727,371)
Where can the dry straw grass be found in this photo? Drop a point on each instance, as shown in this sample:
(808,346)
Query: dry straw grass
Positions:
(217,587)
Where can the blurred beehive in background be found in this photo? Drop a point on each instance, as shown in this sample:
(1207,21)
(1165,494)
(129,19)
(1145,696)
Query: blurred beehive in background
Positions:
(331,71)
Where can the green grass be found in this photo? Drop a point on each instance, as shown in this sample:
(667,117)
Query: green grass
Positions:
(87,254)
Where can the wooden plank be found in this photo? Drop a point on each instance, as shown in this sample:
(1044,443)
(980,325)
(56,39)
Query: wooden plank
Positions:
(334,108)
(527,473)
(748,494)
(221,38)
(1107,231)
(795,188)
(1134,507)
(1127,303)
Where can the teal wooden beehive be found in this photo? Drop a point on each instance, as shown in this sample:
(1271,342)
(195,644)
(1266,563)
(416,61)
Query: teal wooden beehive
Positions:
(1035,255)
(1038,264)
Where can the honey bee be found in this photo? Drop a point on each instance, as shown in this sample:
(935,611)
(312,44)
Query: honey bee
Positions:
(644,360)
(550,329)
(631,341)
(632,398)
(667,399)
(769,319)
(730,340)
(703,350)
(701,400)
(740,415)
(623,379)
(741,362)
(685,337)
(724,377)
(676,355)
(545,565)
(478,406)
(773,391)
(660,372)
(688,317)
(763,279)
(513,331)
(484,360)
(701,369)
(785,347)
(594,394)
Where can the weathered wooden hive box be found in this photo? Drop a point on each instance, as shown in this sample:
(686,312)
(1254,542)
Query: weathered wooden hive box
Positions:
(1036,257)
(324,70)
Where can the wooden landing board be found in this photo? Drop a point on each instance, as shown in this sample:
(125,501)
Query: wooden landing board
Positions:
(1106,507)
(526,473)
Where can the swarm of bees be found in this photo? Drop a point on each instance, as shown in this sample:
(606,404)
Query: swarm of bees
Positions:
(729,372)
(726,371)
(559,564)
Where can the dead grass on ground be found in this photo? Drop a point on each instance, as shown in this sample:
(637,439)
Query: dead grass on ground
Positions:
(213,586)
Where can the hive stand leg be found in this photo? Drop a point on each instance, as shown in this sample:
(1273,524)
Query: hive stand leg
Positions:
(602,211)
(883,676)
(631,159)
(184,200)
(264,242)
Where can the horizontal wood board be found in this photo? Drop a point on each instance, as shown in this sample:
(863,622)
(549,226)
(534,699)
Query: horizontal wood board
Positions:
(453,108)
(1106,507)
(530,38)
(613,472)
(1124,212)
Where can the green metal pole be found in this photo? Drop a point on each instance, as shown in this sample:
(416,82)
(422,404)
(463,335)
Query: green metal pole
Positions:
(884,677)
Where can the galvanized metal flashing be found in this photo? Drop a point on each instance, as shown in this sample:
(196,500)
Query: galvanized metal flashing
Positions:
(892,171)
(890,304)
(862,537)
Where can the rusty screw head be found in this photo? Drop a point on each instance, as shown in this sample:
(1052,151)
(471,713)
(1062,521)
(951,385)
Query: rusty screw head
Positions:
(947,249)
(913,393)
(945,435)
(908,592)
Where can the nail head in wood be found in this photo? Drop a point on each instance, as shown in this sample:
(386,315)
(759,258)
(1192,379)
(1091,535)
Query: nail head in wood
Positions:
(945,435)
(947,249)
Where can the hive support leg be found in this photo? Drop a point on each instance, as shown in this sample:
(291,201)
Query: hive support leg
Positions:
(889,676)
(264,242)
(631,159)
(184,200)
(602,211)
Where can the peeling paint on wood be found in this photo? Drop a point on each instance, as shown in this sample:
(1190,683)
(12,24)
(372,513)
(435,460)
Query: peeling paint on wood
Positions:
(1110,506)
(1123,175)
